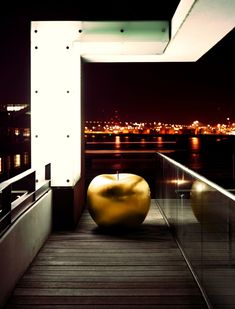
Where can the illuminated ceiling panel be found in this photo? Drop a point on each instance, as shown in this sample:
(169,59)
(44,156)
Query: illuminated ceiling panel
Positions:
(123,37)
(124,31)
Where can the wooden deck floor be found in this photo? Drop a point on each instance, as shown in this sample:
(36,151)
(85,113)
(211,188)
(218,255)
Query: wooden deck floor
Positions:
(89,269)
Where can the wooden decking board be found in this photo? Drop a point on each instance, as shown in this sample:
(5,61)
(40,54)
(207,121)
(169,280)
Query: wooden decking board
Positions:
(27,283)
(129,306)
(133,279)
(90,268)
(109,249)
(108,301)
(106,261)
(113,268)
(106,292)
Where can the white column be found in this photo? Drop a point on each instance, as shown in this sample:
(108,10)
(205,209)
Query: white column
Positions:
(56,100)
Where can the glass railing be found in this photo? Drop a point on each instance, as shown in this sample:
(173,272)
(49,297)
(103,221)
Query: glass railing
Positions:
(201,216)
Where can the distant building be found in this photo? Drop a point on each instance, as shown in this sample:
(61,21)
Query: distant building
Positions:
(13,107)
(14,121)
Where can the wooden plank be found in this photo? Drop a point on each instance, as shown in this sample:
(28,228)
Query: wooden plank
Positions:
(108,300)
(121,284)
(123,273)
(111,260)
(111,268)
(105,291)
(137,306)
(121,279)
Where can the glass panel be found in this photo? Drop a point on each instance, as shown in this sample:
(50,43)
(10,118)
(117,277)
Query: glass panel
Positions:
(202,218)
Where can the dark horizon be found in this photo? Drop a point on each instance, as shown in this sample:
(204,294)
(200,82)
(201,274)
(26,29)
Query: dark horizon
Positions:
(149,92)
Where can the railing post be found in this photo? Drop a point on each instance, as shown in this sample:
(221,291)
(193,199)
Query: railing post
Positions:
(48,171)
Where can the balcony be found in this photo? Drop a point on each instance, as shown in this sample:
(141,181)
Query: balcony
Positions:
(181,256)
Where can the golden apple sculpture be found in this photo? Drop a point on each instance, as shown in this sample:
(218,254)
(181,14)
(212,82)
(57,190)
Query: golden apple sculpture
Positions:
(118,200)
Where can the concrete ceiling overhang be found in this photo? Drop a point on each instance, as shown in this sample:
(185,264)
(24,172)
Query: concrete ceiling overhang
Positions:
(195,28)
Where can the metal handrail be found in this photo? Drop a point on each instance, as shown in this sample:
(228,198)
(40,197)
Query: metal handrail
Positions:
(18,193)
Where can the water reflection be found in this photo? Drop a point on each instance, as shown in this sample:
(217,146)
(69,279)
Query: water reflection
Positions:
(127,142)
(117,142)
(160,141)
(195,143)
(143,142)
(13,164)
(17,160)
(25,158)
(195,156)
(8,163)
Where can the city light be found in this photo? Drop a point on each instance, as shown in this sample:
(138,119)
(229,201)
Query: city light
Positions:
(196,128)
(117,126)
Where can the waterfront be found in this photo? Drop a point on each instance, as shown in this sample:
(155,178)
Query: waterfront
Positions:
(212,156)
(14,159)
(209,155)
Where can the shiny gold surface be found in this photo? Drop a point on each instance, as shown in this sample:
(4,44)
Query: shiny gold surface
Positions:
(207,204)
(118,200)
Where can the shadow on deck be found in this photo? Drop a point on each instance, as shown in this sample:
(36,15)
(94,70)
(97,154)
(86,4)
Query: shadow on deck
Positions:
(86,268)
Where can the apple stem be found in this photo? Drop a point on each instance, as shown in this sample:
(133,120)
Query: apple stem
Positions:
(117,175)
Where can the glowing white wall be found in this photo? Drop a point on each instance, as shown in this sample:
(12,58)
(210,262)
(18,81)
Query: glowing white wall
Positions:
(56,100)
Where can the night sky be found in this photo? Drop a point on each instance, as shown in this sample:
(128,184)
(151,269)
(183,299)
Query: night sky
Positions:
(166,92)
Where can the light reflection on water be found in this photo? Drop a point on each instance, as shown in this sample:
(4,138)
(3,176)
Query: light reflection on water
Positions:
(13,164)
(160,141)
(143,143)
(25,158)
(17,160)
(117,142)
(195,161)
(195,143)
(125,142)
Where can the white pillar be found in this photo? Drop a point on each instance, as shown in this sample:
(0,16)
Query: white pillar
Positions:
(56,100)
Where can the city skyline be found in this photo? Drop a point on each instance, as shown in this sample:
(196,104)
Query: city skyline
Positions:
(117,127)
